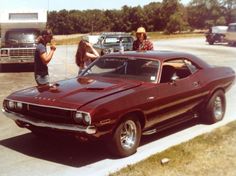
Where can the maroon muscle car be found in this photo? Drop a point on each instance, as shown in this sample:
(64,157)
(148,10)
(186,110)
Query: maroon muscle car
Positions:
(122,96)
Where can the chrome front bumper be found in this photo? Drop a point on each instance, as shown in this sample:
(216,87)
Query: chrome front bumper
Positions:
(40,123)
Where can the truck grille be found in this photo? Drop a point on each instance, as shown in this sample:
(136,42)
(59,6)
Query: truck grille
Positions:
(50,114)
(21,52)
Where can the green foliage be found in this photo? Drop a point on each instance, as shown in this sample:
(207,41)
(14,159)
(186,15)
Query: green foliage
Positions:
(169,15)
(175,24)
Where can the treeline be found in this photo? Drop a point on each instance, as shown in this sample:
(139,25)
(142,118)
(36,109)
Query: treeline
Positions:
(169,16)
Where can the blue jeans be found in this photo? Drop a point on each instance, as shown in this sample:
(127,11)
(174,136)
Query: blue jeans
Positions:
(42,80)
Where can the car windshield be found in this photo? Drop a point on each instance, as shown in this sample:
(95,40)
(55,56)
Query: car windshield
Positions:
(125,68)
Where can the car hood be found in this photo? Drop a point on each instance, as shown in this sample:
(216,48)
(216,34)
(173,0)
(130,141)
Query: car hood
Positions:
(73,93)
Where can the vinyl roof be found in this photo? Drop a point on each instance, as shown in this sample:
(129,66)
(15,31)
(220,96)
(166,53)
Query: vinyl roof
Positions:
(161,55)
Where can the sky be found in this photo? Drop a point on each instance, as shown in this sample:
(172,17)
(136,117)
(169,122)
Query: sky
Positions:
(72,4)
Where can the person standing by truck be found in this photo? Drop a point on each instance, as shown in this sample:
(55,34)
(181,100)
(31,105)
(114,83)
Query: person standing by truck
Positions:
(42,58)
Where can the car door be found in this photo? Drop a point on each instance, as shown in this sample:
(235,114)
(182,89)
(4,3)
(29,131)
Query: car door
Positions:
(178,92)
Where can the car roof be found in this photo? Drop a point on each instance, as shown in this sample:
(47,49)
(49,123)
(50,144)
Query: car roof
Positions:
(116,34)
(161,55)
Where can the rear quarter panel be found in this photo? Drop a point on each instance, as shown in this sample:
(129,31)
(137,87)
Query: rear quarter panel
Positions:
(214,78)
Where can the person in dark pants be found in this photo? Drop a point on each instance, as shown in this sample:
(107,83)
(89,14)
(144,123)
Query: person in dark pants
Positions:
(42,58)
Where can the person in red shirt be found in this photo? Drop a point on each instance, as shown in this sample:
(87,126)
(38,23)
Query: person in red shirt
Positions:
(142,43)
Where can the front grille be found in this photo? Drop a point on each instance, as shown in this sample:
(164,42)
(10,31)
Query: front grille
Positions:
(49,114)
(22,52)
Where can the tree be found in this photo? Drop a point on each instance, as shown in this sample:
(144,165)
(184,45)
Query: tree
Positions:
(175,24)
(229,10)
(205,13)
(173,16)
(152,12)
(114,20)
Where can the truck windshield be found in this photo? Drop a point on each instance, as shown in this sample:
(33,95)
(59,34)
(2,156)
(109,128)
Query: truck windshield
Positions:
(21,36)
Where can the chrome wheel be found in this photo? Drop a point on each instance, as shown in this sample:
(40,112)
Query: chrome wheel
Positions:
(128,135)
(214,110)
(218,108)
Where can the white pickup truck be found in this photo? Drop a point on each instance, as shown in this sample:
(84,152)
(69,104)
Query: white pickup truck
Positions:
(216,34)
(222,34)
(230,35)
(19,30)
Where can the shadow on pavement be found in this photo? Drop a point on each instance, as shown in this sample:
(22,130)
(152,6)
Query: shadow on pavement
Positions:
(6,68)
(64,151)
(71,152)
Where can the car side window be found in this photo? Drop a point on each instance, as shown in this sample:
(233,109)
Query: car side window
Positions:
(232,28)
(177,69)
(193,68)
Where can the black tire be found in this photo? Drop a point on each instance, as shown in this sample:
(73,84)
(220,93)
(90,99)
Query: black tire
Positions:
(129,129)
(211,42)
(215,108)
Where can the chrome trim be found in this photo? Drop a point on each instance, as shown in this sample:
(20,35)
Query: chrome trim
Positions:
(40,123)
(34,104)
(178,102)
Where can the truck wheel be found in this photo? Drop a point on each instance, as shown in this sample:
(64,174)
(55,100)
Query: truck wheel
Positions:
(215,108)
(126,138)
(211,42)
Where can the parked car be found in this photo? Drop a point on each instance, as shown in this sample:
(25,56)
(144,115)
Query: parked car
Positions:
(216,34)
(231,34)
(121,97)
(91,38)
(114,42)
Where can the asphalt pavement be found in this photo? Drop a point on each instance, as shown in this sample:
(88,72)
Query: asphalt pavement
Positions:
(23,154)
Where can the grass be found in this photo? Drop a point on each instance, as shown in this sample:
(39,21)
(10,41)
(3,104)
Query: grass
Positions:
(68,41)
(210,154)
(74,39)
(158,35)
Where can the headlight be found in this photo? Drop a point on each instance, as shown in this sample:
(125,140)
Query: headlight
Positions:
(4,52)
(10,105)
(19,106)
(78,117)
(87,119)
(82,118)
